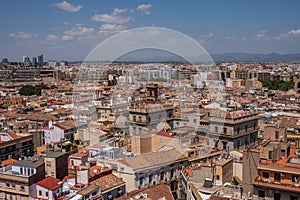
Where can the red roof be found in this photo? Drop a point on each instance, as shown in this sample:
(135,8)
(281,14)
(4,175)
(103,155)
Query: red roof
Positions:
(68,177)
(8,162)
(49,183)
(79,155)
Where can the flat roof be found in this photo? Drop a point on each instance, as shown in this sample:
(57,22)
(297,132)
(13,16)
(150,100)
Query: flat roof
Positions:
(29,163)
(54,154)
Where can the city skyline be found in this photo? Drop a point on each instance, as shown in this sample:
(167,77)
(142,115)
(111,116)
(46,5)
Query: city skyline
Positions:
(69,30)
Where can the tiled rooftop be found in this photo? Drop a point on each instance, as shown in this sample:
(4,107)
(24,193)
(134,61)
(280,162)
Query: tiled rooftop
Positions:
(107,182)
(49,183)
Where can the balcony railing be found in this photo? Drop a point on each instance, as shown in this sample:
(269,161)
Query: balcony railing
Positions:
(264,182)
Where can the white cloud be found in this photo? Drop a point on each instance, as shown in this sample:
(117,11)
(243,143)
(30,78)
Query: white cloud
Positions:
(66,23)
(78,24)
(231,38)
(261,35)
(144,8)
(66,37)
(79,31)
(111,27)
(64,5)
(23,35)
(113,18)
(52,37)
(289,34)
(207,35)
(293,32)
(118,11)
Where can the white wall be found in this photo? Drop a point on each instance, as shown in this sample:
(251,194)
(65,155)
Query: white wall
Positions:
(238,170)
(83,176)
(44,190)
(53,135)
(25,170)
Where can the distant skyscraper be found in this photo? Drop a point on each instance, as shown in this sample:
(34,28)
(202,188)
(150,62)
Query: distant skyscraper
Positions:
(34,61)
(26,61)
(5,61)
(41,60)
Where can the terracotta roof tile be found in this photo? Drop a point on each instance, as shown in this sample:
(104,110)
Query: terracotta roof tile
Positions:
(49,183)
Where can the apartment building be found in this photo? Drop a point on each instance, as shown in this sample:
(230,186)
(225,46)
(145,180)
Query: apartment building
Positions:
(56,164)
(203,179)
(152,168)
(15,145)
(229,130)
(17,181)
(278,176)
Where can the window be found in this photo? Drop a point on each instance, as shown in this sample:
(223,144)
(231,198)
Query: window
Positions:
(277,196)
(225,130)
(216,129)
(224,145)
(46,194)
(141,181)
(277,177)
(22,188)
(161,176)
(13,185)
(270,156)
(265,174)
(294,178)
(94,193)
(282,153)
(218,177)
(21,171)
(7,185)
(40,192)
(293,198)
(194,121)
(276,135)
(72,162)
(261,193)
(172,173)
(246,142)
(48,163)
(150,178)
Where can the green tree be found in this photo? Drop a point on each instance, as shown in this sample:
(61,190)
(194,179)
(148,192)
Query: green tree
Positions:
(28,90)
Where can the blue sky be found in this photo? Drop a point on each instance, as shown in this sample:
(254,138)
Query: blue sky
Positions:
(69,30)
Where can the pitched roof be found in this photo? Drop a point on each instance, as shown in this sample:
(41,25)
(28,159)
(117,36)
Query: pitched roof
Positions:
(161,191)
(68,124)
(107,182)
(88,189)
(49,183)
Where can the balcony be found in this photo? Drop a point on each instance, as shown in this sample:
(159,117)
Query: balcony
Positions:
(8,151)
(26,146)
(263,182)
